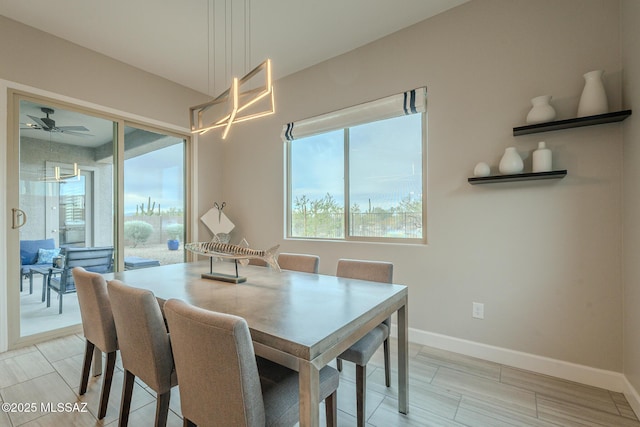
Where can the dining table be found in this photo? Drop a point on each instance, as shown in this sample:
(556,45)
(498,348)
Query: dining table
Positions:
(300,320)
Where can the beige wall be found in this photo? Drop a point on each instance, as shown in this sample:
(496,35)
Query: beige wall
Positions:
(631,90)
(35,60)
(544,257)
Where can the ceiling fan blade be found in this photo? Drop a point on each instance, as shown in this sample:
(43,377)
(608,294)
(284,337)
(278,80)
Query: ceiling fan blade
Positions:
(70,132)
(39,121)
(74,128)
(30,126)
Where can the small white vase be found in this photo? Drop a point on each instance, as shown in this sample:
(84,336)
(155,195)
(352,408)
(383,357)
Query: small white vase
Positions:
(542,158)
(594,98)
(542,111)
(482,169)
(511,162)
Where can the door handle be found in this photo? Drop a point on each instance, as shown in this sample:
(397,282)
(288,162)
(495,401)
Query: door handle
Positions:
(19,218)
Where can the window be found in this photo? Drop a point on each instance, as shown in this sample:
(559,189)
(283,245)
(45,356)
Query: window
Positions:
(360,182)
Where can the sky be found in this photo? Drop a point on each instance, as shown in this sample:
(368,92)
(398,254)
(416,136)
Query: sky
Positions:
(385,163)
(158,174)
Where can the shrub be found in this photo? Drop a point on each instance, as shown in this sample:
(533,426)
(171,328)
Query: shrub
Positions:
(174,231)
(137,231)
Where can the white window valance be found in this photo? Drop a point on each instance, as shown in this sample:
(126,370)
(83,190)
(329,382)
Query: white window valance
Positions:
(410,102)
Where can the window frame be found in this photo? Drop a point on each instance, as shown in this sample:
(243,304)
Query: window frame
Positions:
(347,206)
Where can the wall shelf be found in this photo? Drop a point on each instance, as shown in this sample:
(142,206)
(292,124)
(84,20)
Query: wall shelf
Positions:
(529,176)
(598,119)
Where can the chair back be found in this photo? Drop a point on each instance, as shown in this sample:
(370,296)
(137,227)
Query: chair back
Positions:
(95,309)
(216,366)
(299,262)
(142,336)
(374,271)
(96,260)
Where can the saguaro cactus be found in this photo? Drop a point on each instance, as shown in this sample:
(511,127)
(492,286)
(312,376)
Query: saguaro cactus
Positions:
(149,210)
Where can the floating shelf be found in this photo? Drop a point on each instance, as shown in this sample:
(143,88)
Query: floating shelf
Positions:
(529,176)
(598,119)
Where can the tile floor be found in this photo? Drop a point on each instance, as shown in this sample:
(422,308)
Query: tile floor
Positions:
(36,317)
(446,389)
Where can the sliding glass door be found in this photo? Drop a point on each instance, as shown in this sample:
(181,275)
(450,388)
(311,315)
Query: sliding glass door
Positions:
(64,168)
(65,190)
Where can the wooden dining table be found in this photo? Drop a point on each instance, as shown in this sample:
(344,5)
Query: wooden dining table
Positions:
(300,320)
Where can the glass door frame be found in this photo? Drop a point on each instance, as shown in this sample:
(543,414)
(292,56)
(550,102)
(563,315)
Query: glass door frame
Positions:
(14,96)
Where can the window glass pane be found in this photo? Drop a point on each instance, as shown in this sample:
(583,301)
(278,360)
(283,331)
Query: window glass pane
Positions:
(385,178)
(66,191)
(317,186)
(153,199)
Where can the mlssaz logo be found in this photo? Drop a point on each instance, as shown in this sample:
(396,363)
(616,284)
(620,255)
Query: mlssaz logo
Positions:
(64,407)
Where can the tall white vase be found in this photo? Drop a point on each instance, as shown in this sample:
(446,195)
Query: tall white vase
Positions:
(542,111)
(594,98)
(511,162)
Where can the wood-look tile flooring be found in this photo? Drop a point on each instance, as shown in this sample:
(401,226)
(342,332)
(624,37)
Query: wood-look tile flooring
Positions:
(446,389)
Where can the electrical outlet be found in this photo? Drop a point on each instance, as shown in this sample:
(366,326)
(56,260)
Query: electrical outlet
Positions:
(477,312)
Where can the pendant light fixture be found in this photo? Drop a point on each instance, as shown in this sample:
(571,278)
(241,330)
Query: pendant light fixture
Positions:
(57,175)
(247,98)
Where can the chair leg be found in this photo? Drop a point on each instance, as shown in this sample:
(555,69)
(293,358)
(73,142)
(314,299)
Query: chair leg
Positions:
(339,364)
(106,384)
(331,409)
(162,408)
(86,367)
(44,287)
(125,404)
(48,295)
(30,282)
(361,394)
(60,303)
(387,363)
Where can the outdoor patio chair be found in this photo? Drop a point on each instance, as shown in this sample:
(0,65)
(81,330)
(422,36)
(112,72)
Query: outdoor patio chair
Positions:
(96,260)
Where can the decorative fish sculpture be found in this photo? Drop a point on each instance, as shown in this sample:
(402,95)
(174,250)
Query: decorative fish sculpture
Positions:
(235,252)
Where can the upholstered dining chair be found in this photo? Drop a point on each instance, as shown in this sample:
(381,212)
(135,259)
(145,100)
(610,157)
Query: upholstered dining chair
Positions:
(222,384)
(99,329)
(299,262)
(360,352)
(145,348)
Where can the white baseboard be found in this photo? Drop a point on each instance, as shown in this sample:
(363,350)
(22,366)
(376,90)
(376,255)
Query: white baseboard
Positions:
(614,381)
(632,396)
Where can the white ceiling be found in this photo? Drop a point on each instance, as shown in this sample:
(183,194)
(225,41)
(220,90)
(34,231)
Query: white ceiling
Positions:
(171,38)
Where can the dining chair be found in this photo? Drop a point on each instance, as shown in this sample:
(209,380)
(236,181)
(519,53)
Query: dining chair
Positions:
(299,262)
(99,329)
(145,347)
(222,383)
(360,352)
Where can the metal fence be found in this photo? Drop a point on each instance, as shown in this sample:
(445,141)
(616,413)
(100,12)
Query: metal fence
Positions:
(368,224)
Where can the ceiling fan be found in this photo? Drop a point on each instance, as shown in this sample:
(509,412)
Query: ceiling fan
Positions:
(49,125)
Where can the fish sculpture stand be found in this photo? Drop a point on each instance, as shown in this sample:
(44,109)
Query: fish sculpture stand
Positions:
(234,252)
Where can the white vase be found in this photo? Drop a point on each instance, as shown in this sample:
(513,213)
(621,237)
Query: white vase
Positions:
(542,111)
(511,162)
(482,169)
(594,98)
(542,158)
